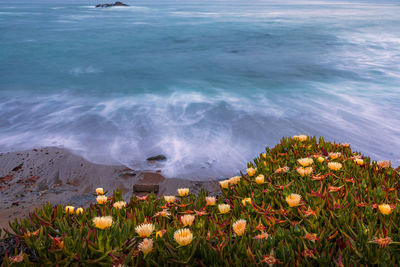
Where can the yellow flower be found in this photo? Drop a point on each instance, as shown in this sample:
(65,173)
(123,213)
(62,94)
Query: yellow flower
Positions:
(103,222)
(224,184)
(145,229)
(183,237)
(304,171)
(321,159)
(260,179)
(359,161)
(334,166)
(293,200)
(183,192)
(169,199)
(264,155)
(211,201)
(234,180)
(160,233)
(246,200)
(385,209)
(301,138)
(101,199)
(239,227)
(305,161)
(99,191)
(187,219)
(224,208)
(146,246)
(119,204)
(69,209)
(251,171)
(79,211)
(335,155)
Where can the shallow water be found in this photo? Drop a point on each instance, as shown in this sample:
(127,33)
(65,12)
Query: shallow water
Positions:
(207,83)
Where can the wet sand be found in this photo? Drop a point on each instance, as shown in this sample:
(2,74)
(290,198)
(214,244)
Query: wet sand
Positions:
(31,178)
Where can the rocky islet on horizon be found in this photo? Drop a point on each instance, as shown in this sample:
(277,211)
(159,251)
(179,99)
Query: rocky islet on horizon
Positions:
(111,5)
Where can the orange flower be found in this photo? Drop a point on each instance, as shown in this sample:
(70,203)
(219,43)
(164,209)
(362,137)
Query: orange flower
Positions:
(301,138)
(246,200)
(335,155)
(334,166)
(262,236)
(251,171)
(310,212)
(239,227)
(305,161)
(293,200)
(384,164)
(385,209)
(334,188)
(260,179)
(270,260)
(382,241)
(311,237)
(304,171)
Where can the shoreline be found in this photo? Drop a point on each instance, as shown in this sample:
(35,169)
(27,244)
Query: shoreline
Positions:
(33,177)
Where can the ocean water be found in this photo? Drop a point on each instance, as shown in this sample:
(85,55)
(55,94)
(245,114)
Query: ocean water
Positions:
(209,84)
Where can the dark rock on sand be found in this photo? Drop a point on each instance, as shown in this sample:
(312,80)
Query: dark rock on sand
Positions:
(157,158)
(111,5)
(148,182)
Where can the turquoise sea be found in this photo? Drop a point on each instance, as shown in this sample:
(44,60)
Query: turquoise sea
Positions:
(207,83)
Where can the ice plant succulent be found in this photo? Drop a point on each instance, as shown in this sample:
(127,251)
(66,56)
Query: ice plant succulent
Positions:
(183,237)
(99,191)
(239,227)
(101,199)
(234,180)
(145,229)
(260,179)
(183,192)
(384,163)
(119,205)
(335,155)
(79,211)
(301,138)
(211,201)
(146,246)
(169,199)
(385,209)
(304,171)
(305,161)
(342,218)
(69,209)
(224,184)
(103,222)
(334,166)
(224,208)
(359,161)
(293,200)
(251,171)
(246,200)
(187,220)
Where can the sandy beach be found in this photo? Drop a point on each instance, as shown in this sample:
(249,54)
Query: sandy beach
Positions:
(33,177)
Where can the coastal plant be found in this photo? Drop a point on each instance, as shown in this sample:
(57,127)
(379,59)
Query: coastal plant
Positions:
(305,202)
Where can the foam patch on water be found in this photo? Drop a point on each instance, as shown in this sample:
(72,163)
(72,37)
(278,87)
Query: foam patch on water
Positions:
(202,136)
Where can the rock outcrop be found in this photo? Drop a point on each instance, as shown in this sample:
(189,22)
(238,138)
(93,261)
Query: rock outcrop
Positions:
(111,5)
